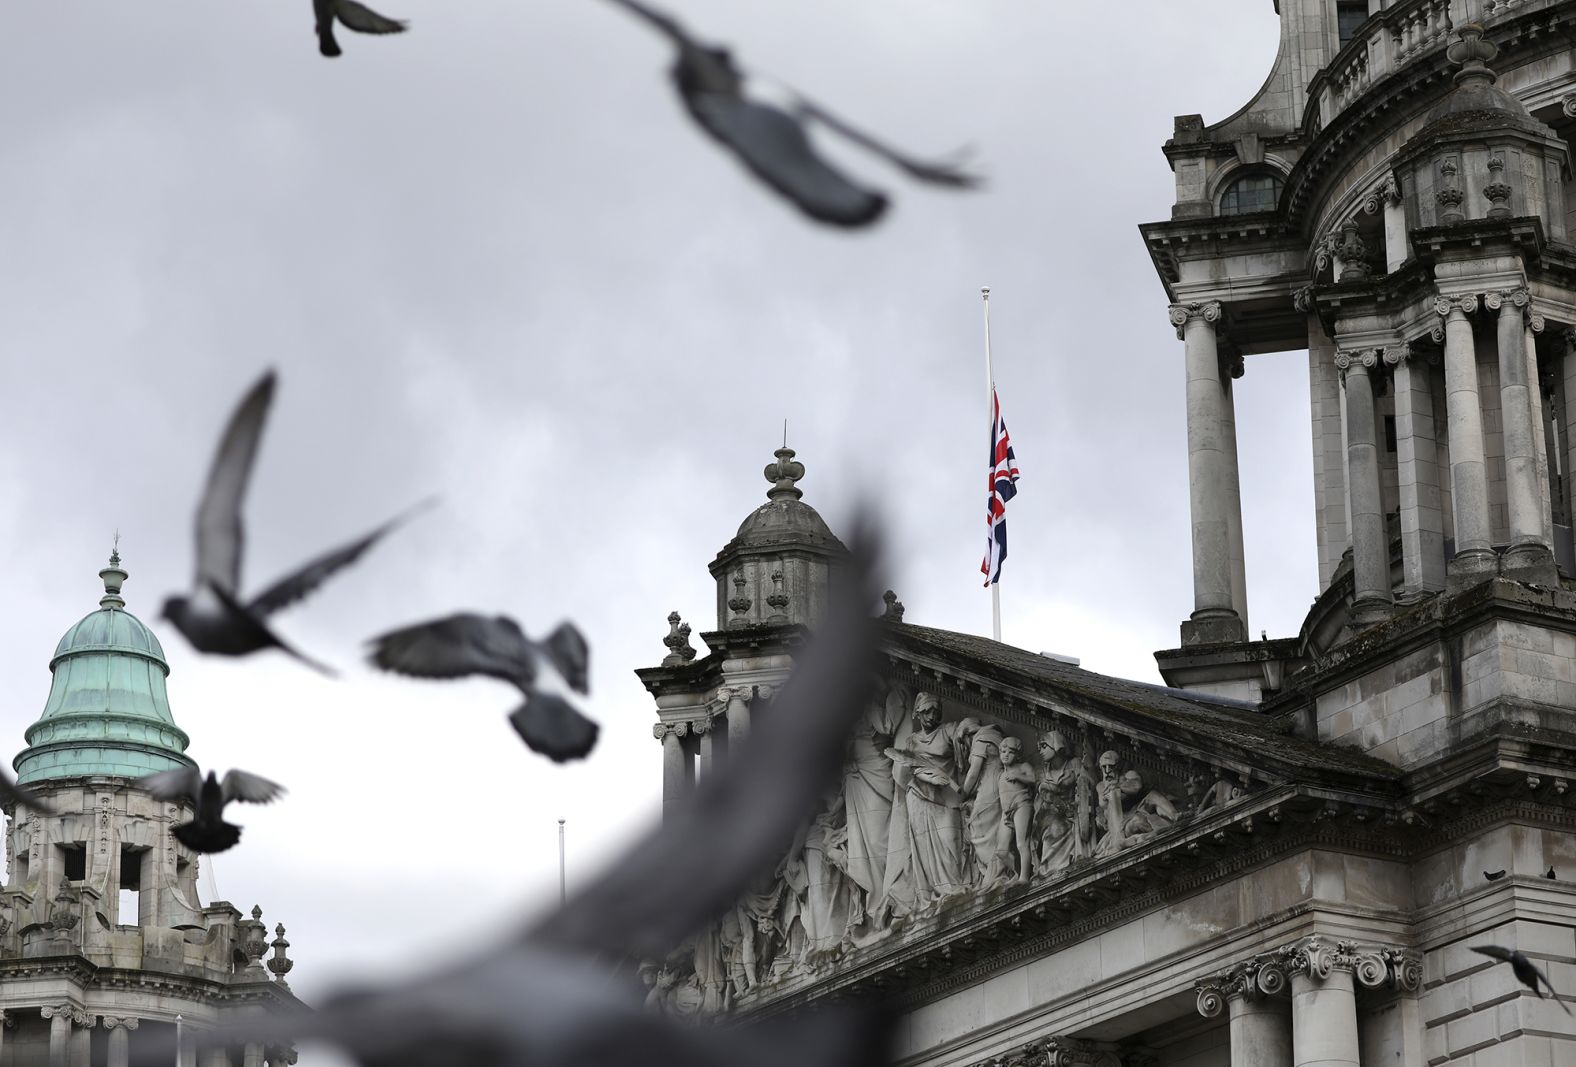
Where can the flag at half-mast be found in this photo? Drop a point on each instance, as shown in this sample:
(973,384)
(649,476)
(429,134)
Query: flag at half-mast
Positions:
(1003,487)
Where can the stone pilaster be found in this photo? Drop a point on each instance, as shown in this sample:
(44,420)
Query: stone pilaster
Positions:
(119,1030)
(252,1054)
(214,1057)
(678,772)
(1252,992)
(1370,547)
(1474,556)
(1215,500)
(1417,468)
(1530,555)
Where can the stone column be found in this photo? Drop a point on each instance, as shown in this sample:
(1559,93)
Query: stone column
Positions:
(1260,1015)
(1567,421)
(1370,547)
(1464,423)
(678,773)
(1528,546)
(82,1039)
(701,728)
(119,1040)
(59,1017)
(251,1056)
(1232,365)
(736,700)
(1417,468)
(1211,447)
(1540,427)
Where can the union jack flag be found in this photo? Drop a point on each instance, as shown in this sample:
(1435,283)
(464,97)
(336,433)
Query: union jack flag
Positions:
(1003,487)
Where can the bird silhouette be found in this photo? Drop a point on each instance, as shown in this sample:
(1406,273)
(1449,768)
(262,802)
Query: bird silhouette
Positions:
(12,794)
(1526,972)
(560,990)
(1551,874)
(352,16)
(1495,875)
(467,643)
(772,143)
(207,831)
(212,617)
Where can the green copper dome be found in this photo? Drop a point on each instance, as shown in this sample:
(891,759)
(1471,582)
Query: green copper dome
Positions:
(107,712)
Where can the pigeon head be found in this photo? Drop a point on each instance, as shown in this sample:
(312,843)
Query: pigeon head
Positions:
(176,609)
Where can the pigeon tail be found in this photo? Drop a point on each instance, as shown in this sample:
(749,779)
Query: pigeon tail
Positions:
(208,839)
(551,726)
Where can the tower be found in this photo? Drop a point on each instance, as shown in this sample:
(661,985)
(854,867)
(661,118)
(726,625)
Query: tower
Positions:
(103,937)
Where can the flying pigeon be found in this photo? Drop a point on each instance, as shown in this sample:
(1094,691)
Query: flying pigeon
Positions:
(772,143)
(560,991)
(352,16)
(213,617)
(12,794)
(1494,876)
(1525,970)
(208,832)
(466,643)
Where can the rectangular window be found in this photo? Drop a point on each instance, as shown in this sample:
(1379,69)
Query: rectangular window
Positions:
(130,902)
(73,862)
(1349,16)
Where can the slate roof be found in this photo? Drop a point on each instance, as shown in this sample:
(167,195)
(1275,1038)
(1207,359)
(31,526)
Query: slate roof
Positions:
(1209,719)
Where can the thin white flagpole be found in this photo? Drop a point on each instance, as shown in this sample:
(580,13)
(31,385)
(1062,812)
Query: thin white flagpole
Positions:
(178,1042)
(562,893)
(990,404)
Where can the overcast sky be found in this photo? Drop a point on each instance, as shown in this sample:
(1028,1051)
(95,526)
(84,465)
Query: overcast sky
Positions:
(492,258)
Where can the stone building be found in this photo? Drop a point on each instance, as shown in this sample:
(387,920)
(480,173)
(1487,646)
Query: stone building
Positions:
(1284,855)
(104,940)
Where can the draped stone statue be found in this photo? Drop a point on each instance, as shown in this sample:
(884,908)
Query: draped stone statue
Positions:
(867,805)
(925,837)
(982,797)
(1061,803)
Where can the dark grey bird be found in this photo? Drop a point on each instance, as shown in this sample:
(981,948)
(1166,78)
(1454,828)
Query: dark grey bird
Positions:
(207,831)
(352,16)
(773,143)
(466,644)
(1551,874)
(1526,972)
(552,992)
(212,616)
(12,794)
(1494,876)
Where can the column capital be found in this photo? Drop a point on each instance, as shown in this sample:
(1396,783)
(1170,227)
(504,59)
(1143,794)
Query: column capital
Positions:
(1055,1052)
(701,726)
(1388,191)
(1260,975)
(1207,310)
(1507,299)
(111,1022)
(1364,357)
(1466,304)
(51,1011)
(1371,966)
(764,692)
(663,730)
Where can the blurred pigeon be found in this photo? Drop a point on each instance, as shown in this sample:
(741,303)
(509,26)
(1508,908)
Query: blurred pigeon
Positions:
(212,617)
(12,794)
(1551,874)
(208,832)
(467,644)
(352,16)
(1525,970)
(546,995)
(772,142)
(1494,876)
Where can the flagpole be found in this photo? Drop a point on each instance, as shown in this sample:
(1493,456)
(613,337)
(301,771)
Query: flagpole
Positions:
(562,893)
(990,405)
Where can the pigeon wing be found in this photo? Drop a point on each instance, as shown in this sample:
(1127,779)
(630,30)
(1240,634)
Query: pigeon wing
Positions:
(551,725)
(775,148)
(362,19)
(457,646)
(938,173)
(1493,952)
(183,783)
(219,534)
(11,793)
(252,788)
(566,649)
(303,581)
(661,21)
(738,822)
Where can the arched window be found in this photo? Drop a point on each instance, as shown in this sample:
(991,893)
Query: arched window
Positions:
(1251,193)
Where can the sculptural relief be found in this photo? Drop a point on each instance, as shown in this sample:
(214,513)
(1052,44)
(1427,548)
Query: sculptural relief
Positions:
(932,811)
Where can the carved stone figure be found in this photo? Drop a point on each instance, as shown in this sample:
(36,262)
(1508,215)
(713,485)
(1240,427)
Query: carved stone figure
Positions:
(1017,778)
(1061,804)
(867,805)
(926,833)
(982,794)
(1126,813)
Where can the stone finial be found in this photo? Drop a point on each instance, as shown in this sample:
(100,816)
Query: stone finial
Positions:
(1472,53)
(114,577)
(1497,190)
(253,935)
(783,474)
(281,962)
(64,916)
(739,604)
(1353,251)
(894,607)
(777,600)
(679,650)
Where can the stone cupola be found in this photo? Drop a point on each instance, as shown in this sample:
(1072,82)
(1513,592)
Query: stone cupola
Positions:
(777,567)
(1480,154)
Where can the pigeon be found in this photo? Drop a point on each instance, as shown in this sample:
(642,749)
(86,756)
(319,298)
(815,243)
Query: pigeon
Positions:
(1551,874)
(561,990)
(773,143)
(352,16)
(12,794)
(467,643)
(1494,876)
(208,832)
(1525,970)
(213,617)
